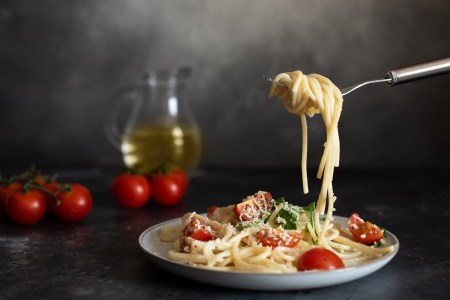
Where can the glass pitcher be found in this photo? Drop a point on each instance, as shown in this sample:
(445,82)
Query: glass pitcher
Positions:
(160,128)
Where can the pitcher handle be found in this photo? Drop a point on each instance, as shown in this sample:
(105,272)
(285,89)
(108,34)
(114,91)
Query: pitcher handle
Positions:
(112,129)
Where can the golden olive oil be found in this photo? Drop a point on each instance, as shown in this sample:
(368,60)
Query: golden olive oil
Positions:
(149,146)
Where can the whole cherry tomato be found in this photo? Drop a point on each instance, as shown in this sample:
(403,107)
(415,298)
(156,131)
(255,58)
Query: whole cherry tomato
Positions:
(74,203)
(319,259)
(166,189)
(80,187)
(26,207)
(6,192)
(52,189)
(180,177)
(42,180)
(131,191)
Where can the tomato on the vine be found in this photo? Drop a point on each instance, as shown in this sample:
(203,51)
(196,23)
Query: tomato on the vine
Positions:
(180,177)
(6,192)
(42,180)
(168,186)
(51,187)
(28,196)
(131,191)
(319,259)
(165,185)
(26,207)
(82,188)
(73,203)
(166,189)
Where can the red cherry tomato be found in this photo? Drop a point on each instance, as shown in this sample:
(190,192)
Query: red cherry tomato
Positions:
(364,231)
(254,206)
(131,191)
(166,190)
(198,230)
(74,204)
(42,180)
(82,188)
(6,192)
(52,190)
(319,259)
(26,207)
(52,187)
(277,237)
(181,178)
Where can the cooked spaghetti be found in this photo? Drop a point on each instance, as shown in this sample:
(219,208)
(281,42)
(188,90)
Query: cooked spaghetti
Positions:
(309,95)
(261,234)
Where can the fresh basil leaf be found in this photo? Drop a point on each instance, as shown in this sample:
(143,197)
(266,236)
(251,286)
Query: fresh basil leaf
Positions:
(280,200)
(309,210)
(239,227)
(290,214)
(290,220)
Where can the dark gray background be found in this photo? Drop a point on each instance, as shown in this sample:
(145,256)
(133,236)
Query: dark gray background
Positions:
(60,62)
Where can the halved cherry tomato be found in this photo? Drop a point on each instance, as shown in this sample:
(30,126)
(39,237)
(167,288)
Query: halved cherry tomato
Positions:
(364,231)
(319,259)
(211,210)
(253,206)
(26,207)
(275,237)
(198,230)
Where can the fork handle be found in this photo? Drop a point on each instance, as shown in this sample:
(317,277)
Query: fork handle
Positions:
(419,71)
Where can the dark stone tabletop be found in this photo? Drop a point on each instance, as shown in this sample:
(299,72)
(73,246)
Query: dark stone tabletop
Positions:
(100,257)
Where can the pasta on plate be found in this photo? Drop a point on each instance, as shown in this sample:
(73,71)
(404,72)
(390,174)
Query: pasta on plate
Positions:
(266,235)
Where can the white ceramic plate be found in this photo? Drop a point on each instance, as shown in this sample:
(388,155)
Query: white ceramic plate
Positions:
(158,251)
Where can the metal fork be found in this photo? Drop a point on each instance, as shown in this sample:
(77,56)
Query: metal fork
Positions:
(399,75)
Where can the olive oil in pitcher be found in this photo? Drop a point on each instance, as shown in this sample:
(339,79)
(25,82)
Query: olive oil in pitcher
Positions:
(149,146)
(159,128)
